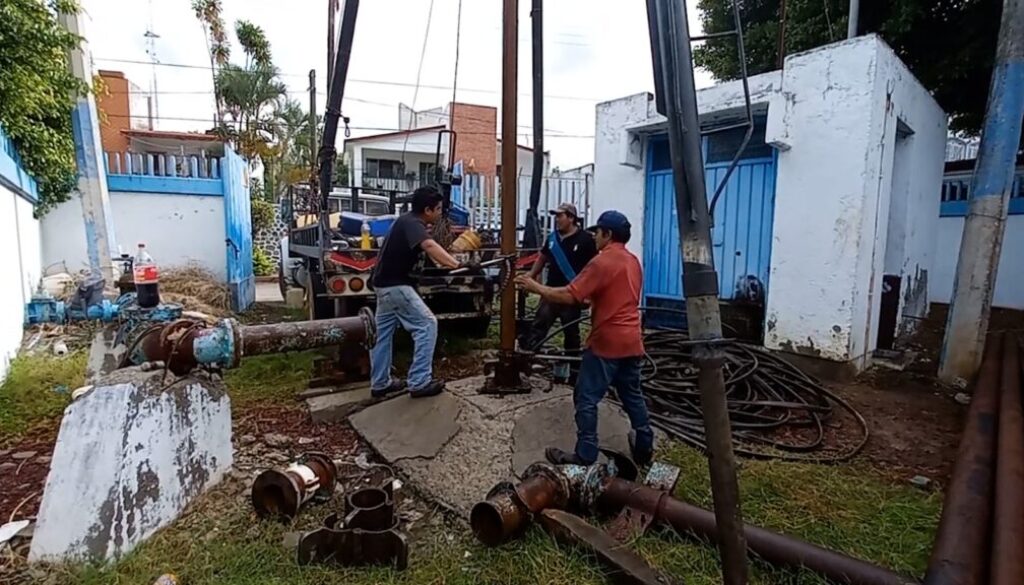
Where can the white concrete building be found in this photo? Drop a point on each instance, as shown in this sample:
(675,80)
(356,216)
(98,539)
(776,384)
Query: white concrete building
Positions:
(836,194)
(20,264)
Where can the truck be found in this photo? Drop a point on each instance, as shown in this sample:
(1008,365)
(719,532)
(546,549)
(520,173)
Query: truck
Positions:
(326,258)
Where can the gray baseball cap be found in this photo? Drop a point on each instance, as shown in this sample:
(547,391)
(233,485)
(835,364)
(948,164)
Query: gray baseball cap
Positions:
(567,208)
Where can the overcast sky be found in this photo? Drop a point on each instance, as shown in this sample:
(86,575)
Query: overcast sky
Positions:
(595,50)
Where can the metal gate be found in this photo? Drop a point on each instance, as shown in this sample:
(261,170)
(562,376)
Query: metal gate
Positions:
(742,232)
(238,231)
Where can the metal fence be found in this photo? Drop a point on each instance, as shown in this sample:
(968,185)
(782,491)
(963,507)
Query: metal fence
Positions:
(481,196)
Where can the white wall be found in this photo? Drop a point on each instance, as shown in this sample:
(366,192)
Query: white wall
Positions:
(1009,291)
(835,121)
(832,113)
(177,230)
(419,144)
(20,270)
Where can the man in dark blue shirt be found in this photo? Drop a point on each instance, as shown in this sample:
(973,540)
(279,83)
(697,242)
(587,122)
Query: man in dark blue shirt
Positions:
(567,250)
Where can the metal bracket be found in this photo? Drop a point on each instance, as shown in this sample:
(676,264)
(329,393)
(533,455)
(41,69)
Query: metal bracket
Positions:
(632,522)
(507,374)
(369,534)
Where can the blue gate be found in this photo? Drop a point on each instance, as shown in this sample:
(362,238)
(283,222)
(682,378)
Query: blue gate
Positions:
(238,231)
(742,233)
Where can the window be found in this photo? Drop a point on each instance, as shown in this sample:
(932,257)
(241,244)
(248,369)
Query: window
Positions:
(383,168)
(722,146)
(427,171)
(375,208)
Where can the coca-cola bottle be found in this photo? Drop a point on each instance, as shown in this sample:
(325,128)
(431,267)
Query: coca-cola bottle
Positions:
(147,279)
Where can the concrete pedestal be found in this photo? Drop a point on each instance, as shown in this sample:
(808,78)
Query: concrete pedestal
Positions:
(131,455)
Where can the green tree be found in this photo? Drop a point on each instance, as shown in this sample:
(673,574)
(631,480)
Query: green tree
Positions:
(208,12)
(38,92)
(949,45)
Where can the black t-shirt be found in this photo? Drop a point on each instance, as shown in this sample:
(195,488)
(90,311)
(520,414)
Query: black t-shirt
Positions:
(579,249)
(400,252)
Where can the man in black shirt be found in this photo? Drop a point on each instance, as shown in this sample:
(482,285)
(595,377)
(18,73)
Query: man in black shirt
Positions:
(565,253)
(399,304)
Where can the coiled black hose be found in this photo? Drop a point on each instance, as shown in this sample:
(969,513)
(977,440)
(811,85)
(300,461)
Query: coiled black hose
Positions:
(776,410)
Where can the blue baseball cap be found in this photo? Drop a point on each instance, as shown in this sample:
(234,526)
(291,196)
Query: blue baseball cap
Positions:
(611,220)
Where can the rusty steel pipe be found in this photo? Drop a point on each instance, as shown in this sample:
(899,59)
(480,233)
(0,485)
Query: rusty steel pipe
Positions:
(283,493)
(302,335)
(961,552)
(508,509)
(1008,530)
(184,345)
(773,547)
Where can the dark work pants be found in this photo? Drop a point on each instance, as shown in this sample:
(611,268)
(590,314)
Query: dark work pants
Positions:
(547,314)
(596,376)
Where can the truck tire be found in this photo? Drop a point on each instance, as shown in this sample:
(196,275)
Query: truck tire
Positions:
(319,308)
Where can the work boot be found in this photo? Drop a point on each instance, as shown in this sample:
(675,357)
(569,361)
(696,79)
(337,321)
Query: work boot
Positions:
(641,458)
(394,386)
(433,388)
(558,457)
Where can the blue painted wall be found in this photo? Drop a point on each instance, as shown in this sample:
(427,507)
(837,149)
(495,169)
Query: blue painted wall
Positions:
(238,227)
(742,233)
(12,174)
(956,191)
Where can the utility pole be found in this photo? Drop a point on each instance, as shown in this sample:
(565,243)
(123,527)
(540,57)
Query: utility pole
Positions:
(312,132)
(851,25)
(507,374)
(531,237)
(677,100)
(982,241)
(332,17)
(92,174)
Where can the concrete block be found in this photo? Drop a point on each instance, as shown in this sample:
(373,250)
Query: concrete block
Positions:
(295,298)
(337,406)
(130,456)
(104,356)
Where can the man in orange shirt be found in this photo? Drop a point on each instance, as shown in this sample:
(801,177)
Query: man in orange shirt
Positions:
(611,282)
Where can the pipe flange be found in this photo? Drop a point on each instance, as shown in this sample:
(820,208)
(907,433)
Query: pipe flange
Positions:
(555,476)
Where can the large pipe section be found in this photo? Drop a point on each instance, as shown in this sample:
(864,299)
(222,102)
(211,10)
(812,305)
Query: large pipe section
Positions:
(773,547)
(1008,528)
(282,493)
(960,554)
(185,345)
(509,509)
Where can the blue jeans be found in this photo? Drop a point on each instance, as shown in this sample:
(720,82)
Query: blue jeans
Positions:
(401,305)
(596,375)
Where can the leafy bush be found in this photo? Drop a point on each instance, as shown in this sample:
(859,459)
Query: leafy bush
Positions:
(262,215)
(262,263)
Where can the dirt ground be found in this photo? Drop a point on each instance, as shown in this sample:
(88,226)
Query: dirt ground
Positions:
(914,422)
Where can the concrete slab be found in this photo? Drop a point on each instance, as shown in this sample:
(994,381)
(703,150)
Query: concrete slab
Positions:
(337,406)
(552,424)
(404,428)
(494,438)
(131,455)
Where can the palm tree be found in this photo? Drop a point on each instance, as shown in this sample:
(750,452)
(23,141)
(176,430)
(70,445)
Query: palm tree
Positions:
(209,14)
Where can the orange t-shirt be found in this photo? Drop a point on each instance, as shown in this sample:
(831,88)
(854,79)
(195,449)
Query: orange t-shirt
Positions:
(612,282)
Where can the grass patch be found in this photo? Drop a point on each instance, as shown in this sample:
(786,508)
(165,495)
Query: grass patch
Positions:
(848,509)
(37,387)
(269,378)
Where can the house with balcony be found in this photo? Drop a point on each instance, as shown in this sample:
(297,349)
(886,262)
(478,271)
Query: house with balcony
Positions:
(407,158)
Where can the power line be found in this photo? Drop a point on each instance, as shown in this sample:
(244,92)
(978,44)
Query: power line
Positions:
(419,72)
(367,128)
(346,98)
(364,81)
